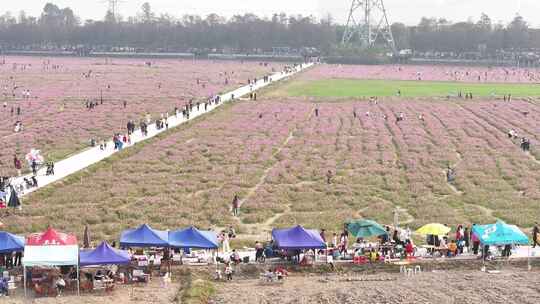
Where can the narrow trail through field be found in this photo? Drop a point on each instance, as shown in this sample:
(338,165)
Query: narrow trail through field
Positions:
(358,213)
(263,177)
(450,184)
(258,230)
(485,210)
(532,157)
(405,213)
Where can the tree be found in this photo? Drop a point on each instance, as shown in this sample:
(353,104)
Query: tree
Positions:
(401,35)
(147,14)
(485,23)
(110,17)
(517,35)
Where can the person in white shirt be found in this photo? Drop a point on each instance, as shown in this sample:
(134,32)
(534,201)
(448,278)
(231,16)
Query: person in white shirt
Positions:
(226,246)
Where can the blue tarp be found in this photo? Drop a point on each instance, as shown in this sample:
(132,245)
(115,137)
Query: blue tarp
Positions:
(104,254)
(297,238)
(499,234)
(193,238)
(144,236)
(10,242)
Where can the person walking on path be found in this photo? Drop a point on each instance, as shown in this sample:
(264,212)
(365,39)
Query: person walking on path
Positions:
(229,272)
(225,242)
(17,164)
(34,167)
(535,232)
(236,205)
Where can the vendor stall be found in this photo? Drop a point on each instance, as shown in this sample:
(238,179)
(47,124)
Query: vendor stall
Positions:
(49,249)
(144,236)
(193,238)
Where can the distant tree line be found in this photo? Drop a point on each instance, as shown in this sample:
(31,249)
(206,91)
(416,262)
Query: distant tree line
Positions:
(60,29)
(483,36)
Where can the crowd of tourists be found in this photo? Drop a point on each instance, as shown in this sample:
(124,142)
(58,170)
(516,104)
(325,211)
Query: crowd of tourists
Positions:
(394,244)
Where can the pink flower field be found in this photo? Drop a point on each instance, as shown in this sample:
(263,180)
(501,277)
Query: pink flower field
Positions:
(426,72)
(276,154)
(55,118)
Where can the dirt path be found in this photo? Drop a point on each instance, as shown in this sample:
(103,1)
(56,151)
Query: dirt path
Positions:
(256,230)
(485,210)
(405,213)
(452,186)
(263,177)
(260,231)
(532,157)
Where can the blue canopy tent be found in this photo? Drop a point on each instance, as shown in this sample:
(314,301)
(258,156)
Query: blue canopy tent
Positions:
(10,242)
(500,234)
(144,236)
(297,238)
(104,254)
(193,238)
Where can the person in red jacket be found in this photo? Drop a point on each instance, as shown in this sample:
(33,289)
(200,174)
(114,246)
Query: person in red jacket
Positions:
(409,249)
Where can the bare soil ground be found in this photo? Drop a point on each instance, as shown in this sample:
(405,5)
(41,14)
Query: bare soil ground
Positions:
(508,286)
(154,292)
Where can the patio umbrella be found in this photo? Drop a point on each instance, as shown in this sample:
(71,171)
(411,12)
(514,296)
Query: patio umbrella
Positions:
(433,229)
(86,237)
(500,234)
(34,155)
(365,228)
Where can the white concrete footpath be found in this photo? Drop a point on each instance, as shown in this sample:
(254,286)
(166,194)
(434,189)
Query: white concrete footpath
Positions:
(93,155)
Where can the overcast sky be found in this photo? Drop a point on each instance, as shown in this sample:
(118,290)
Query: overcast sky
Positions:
(407,11)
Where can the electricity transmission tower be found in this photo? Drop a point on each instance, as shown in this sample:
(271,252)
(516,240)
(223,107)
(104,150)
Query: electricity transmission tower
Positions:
(368,23)
(113,6)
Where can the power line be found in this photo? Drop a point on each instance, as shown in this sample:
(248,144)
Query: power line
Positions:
(113,6)
(368,22)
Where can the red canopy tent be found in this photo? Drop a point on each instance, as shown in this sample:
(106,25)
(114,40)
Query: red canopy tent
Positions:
(51,248)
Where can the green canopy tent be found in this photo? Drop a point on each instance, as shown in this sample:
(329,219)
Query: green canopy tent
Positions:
(365,228)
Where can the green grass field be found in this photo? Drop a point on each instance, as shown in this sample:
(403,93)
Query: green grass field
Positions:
(366,88)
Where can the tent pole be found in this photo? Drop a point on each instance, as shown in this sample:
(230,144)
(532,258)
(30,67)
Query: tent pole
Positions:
(529,258)
(169,262)
(24,281)
(78,281)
